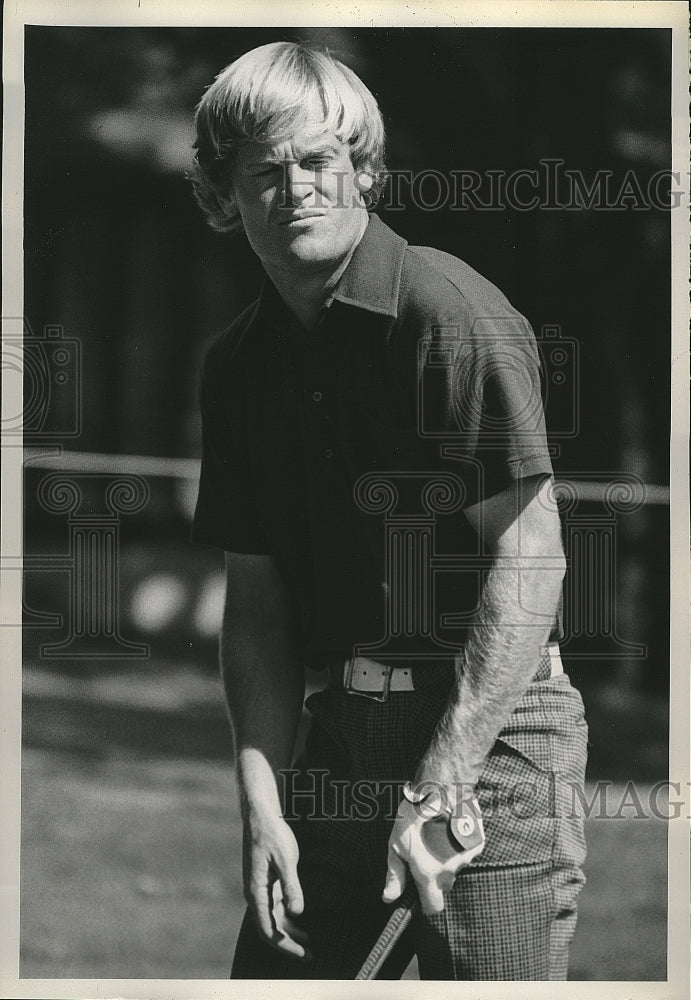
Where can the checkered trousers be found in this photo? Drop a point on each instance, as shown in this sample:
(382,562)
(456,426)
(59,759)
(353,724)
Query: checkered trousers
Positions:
(512,912)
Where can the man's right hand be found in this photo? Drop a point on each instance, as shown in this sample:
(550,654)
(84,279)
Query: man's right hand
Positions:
(272,888)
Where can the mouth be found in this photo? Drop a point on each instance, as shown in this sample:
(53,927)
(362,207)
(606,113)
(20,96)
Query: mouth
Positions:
(302,215)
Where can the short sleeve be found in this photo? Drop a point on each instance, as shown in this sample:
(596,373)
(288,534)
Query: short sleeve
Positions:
(226,513)
(495,406)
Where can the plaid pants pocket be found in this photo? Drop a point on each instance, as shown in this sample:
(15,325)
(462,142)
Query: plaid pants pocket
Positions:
(516,796)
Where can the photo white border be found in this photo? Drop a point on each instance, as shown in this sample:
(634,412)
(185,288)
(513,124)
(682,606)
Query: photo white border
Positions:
(215,13)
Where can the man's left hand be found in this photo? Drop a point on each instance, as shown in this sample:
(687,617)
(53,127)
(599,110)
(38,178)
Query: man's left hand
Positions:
(414,846)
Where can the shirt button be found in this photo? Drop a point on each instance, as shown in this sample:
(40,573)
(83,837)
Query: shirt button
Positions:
(316,396)
(328,453)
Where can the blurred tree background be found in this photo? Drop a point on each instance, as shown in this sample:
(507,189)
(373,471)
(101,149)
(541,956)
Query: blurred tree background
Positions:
(117,253)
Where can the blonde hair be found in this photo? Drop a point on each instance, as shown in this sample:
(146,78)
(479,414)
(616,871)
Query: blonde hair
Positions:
(261,97)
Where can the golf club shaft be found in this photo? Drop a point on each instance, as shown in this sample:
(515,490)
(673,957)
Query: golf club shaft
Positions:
(398,921)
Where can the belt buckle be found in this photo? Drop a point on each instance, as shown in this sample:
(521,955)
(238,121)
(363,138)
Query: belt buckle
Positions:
(373,696)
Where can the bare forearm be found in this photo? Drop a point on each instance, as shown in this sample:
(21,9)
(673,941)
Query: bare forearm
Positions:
(264,684)
(264,687)
(496,666)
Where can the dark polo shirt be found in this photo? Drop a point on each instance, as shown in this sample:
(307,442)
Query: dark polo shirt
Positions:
(348,452)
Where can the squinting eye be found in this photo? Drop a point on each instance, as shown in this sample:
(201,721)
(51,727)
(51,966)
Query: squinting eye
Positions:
(316,163)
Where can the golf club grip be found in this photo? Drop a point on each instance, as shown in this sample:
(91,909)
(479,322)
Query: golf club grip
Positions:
(398,921)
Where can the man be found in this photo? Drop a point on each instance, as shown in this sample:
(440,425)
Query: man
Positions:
(375,409)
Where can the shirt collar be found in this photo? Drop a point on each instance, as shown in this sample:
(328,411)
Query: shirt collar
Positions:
(271,307)
(370,281)
(373,276)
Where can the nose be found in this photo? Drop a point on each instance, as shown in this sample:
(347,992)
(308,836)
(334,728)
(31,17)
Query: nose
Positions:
(298,183)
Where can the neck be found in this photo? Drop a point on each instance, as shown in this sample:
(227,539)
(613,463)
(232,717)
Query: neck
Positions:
(305,290)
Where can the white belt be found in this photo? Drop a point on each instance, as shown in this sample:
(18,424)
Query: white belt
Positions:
(364,676)
(556,666)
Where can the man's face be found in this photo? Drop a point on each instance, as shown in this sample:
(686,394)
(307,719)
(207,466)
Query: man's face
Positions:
(299,200)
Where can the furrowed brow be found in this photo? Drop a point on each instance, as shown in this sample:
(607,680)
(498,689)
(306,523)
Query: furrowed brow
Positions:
(319,147)
(267,160)
(328,147)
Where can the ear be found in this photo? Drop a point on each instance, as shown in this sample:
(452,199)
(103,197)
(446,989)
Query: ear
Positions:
(365,180)
(228,206)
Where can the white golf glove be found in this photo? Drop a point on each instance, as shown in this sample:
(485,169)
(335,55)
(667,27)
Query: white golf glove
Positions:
(433,836)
